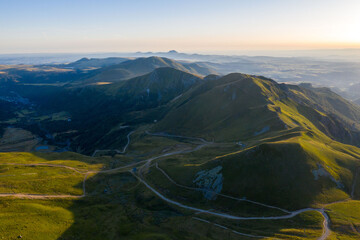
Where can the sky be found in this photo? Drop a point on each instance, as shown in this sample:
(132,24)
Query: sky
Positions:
(47,26)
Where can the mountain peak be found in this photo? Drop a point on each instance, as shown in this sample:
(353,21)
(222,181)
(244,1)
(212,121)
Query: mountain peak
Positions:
(172,51)
(84,59)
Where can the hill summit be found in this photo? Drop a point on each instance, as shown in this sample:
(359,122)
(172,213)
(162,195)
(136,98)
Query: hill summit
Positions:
(140,66)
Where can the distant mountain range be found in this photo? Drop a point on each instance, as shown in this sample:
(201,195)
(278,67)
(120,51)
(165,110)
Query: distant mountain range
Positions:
(338,74)
(91,71)
(140,66)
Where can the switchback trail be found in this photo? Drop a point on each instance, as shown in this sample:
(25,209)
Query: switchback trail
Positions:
(44,164)
(163,134)
(147,162)
(116,150)
(38,196)
(326,230)
(219,194)
(354,183)
(87,173)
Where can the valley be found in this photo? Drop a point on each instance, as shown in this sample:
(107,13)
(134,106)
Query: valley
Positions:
(170,150)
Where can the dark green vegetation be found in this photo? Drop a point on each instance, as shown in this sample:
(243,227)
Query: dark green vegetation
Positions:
(252,148)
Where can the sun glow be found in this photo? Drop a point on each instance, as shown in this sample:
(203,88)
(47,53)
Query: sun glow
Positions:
(354,35)
(350,32)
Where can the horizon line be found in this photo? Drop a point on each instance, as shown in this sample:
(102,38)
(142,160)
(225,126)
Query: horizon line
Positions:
(213,52)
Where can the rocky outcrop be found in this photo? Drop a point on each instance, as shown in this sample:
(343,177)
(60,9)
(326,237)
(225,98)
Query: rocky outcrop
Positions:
(211,181)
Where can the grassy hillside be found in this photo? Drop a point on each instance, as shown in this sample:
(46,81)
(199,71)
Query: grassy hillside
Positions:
(45,173)
(86,63)
(161,85)
(292,173)
(40,180)
(40,74)
(345,220)
(291,140)
(126,210)
(140,66)
(240,107)
(223,109)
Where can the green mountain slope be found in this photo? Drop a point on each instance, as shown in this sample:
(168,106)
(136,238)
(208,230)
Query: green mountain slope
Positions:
(161,85)
(240,106)
(224,109)
(86,63)
(292,141)
(293,173)
(96,110)
(140,66)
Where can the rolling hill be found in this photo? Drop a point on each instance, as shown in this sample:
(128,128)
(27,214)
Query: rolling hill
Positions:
(88,63)
(140,66)
(162,84)
(87,71)
(292,140)
(239,106)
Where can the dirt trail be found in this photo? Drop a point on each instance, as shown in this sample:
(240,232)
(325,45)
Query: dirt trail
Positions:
(290,214)
(87,173)
(326,230)
(219,194)
(37,196)
(176,136)
(44,164)
(116,150)
(354,183)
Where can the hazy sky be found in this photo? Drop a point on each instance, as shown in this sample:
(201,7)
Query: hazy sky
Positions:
(185,25)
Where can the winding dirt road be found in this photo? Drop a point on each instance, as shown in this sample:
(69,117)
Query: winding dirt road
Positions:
(219,194)
(146,163)
(116,150)
(326,230)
